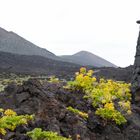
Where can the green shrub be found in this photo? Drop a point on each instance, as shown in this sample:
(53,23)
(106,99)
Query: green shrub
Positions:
(38,134)
(104,93)
(78,112)
(10,120)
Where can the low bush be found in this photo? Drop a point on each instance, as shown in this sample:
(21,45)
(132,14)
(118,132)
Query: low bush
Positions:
(111,99)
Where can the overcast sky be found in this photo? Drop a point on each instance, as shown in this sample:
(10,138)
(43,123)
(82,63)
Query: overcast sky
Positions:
(104,27)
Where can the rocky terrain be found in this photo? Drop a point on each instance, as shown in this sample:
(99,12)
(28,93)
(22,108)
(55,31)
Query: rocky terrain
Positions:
(119,74)
(48,101)
(35,65)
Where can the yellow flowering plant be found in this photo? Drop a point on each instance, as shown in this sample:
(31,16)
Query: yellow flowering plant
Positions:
(78,112)
(10,112)
(10,120)
(106,95)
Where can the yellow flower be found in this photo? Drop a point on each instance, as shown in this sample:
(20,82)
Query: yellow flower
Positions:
(79,77)
(10,112)
(109,106)
(84,115)
(83,70)
(90,73)
(94,79)
(86,78)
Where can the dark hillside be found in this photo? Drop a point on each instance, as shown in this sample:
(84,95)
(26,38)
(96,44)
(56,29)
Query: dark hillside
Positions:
(25,64)
(87,58)
(36,65)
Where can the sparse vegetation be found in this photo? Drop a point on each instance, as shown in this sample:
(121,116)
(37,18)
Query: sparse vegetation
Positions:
(53,79)
(12,78)
(110,98)
(38,134)
(9,120)
(78,112)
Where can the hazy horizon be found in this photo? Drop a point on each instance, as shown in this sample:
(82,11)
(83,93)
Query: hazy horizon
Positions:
(105,28)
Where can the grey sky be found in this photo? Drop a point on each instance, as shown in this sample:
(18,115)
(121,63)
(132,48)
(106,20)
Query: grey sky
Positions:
(105,27)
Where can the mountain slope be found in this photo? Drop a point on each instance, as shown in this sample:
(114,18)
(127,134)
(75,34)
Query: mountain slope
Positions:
(87,58)
(13,43)
(25,64)
(36,65)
